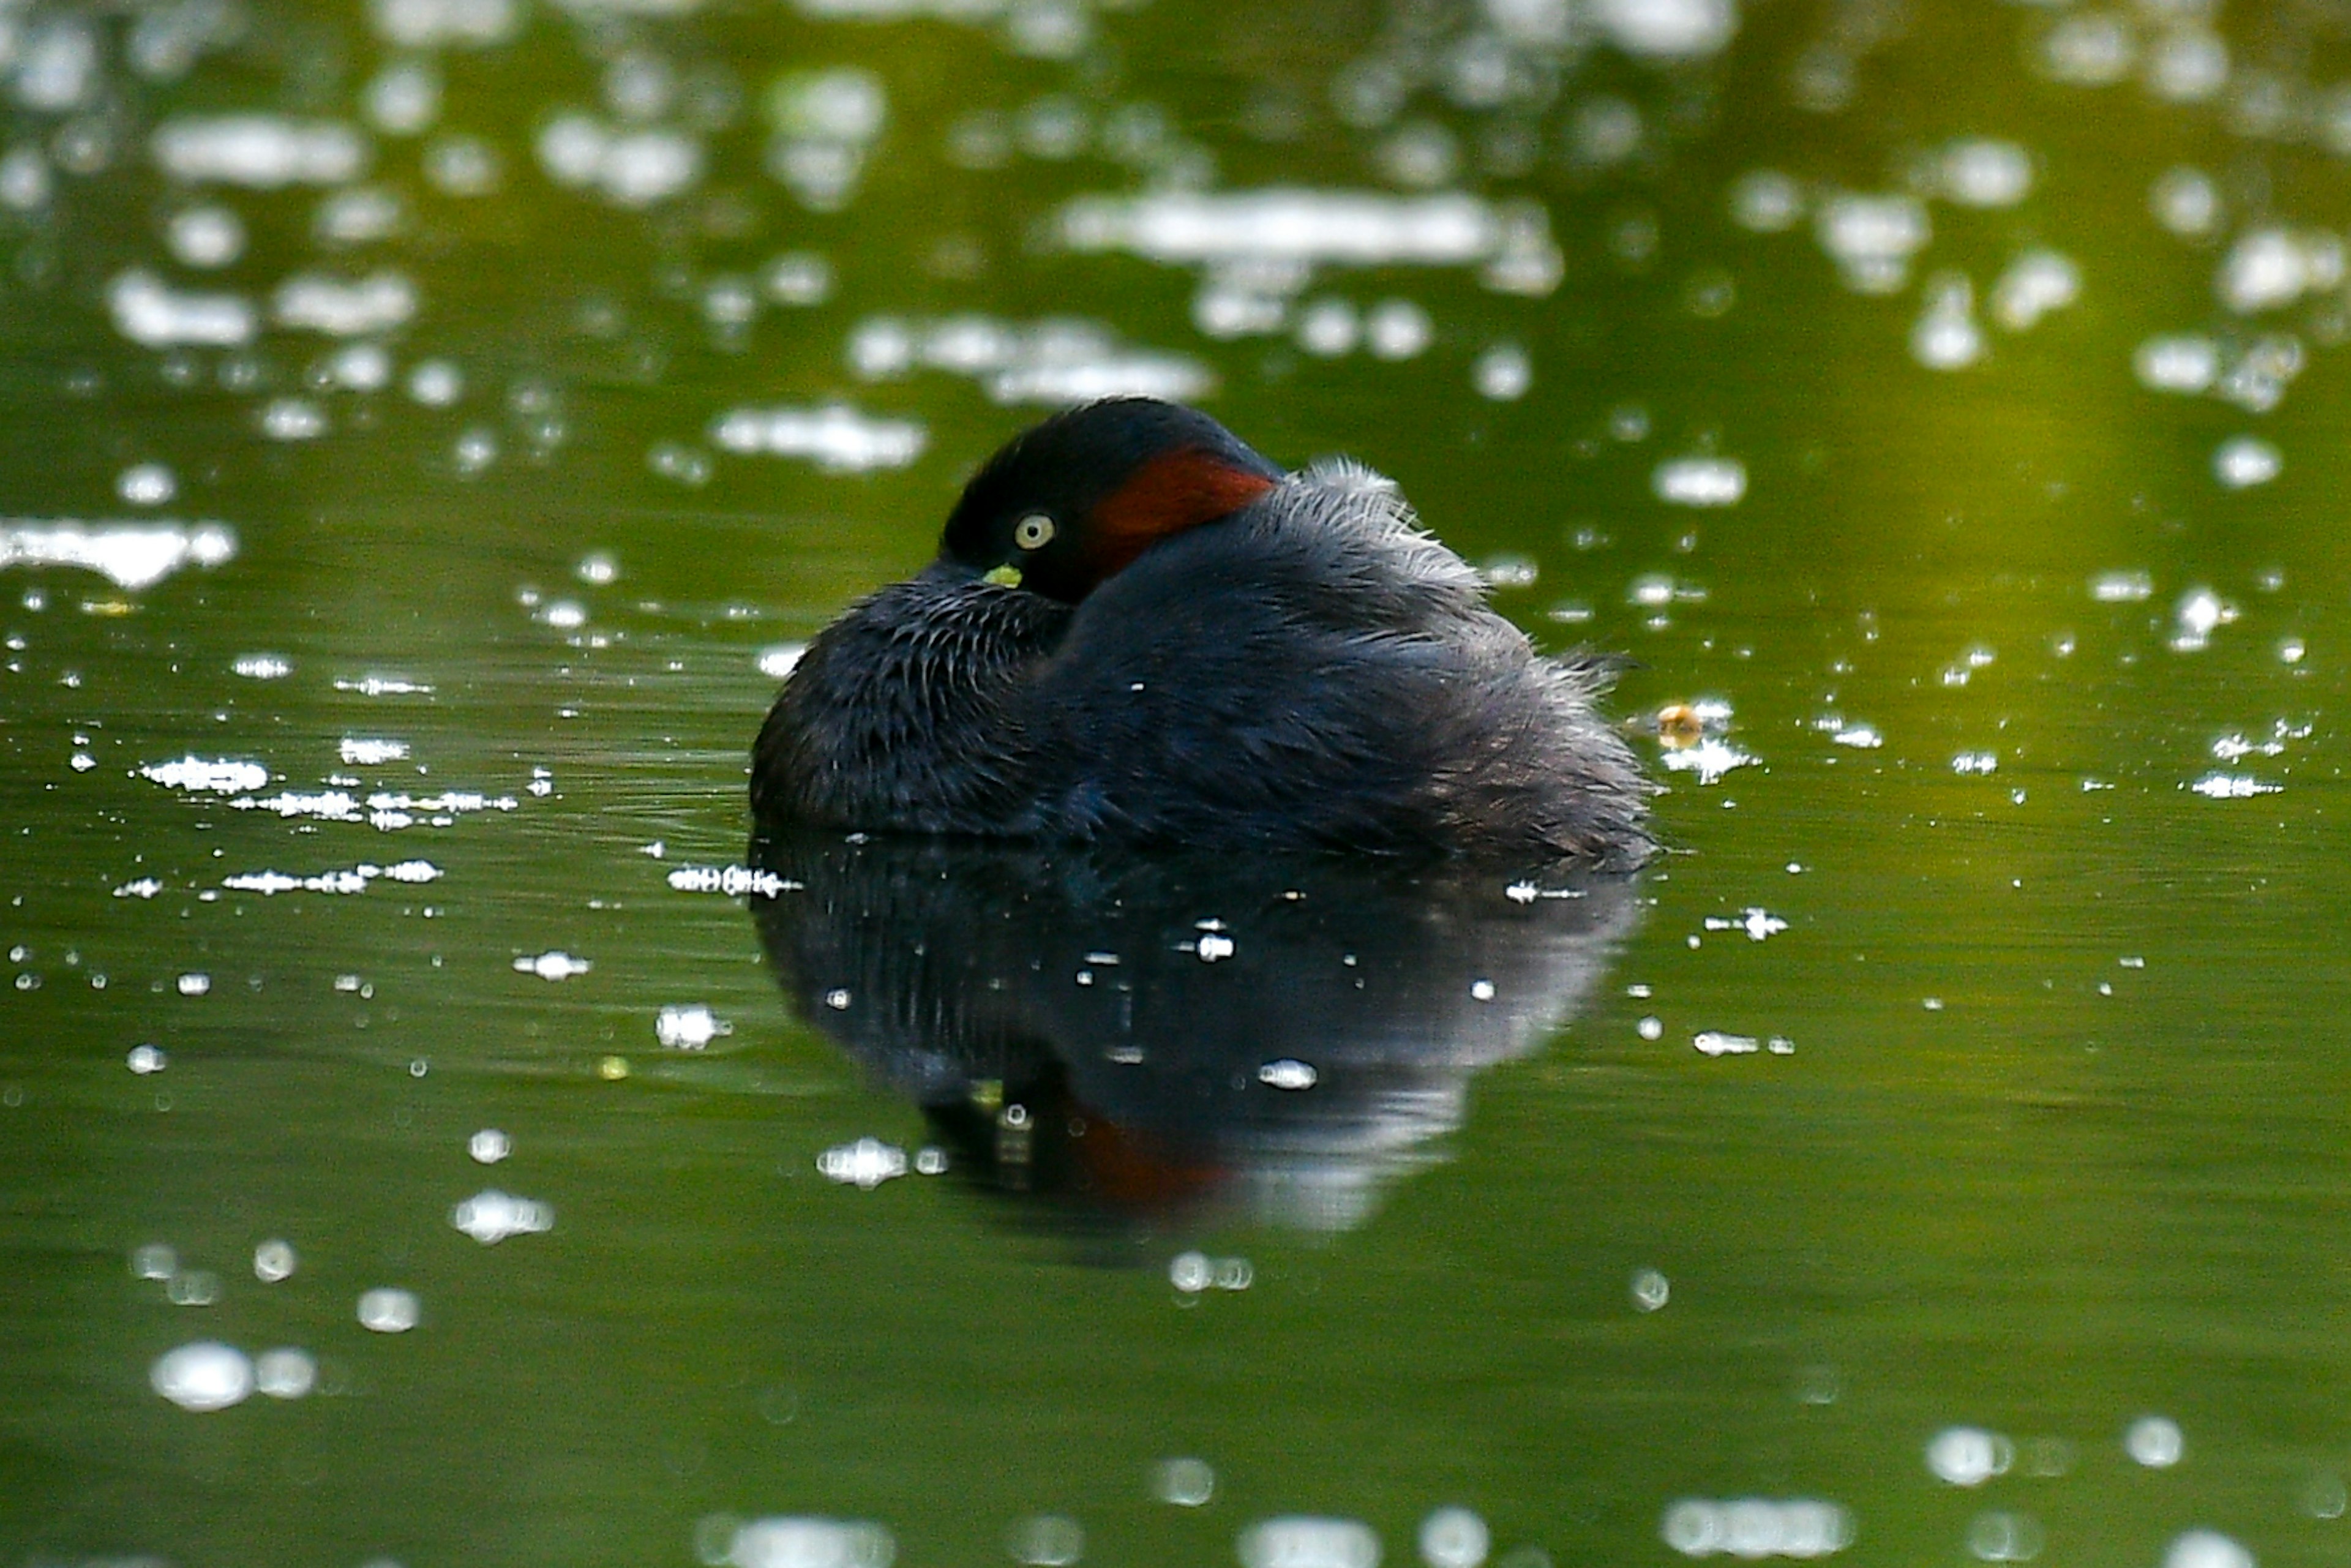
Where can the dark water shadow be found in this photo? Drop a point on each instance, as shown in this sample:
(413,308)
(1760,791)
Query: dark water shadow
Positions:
(1120,1037)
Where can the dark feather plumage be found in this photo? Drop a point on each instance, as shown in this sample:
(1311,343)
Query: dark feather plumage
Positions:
(1310,670)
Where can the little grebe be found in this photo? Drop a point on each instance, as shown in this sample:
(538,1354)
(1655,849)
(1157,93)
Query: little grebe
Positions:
(1139,629)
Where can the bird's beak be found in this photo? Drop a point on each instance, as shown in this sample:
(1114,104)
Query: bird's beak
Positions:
(1005,576)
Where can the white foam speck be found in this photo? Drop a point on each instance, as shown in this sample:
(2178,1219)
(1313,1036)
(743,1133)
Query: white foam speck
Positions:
(2233,787)
(284,1373)
(734,881)
(1981,172)
(1968,1455)
(1052,362)
(1668,29)
(356,879)
(2155,1441)
(2269,268)
(1287,1073)
(206,1376)
(1945,336)
(264,151)
(2207,1548)
(440,24)
(1750,1528)
(836,437)
(2036,283)
(689,1027)
(132,555)
(866,1163)
(345,308)
(2244,461)
(150,313)
(630,168)
(387,1309)
(2180,363)
(359,752)
(490,1217)
(293,419)
(1300,1540)
(798,1541)
(553,965)
(1701,482)
(1343,227)
(1873,237)
(780,661)
(199,775)
(1710,759)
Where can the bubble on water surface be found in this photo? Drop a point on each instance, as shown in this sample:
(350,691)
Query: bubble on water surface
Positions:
(1316,227)
(2090,49)
(150,313)
(1872,238)
(1765,201)
(2035,283)
(362,752)
(460,165)
(1045,1541)
(262,151)
(689,1027)
(488,1146)
(146,485)
(781,660)
(274,1262)
(2268,268)
(402,98)
(490,1217)
(1752,1528)
(1968,1455)
(1502,373)
(1945,336)
(1301,1540)
(2206,1548)
(225,776)
(293,419)
(388,1310)
(1700,482)
(1454,1537)
(1710,759)
(436,383)
(836,437)
(359,214)
(284,1374)
(344,307)
(269,884)
(1668,29)
(2001,1536)
(1184,1482)
(204,236)
(1052,362)
(205,1375)
(146,1059)
(2180,362)
(441,24)
(2244,461)
(2155,1441)
(866,1163)
(2186,201)
(1287,1073)
(630,168)
(790,1541)
(553,965)
(1983,172)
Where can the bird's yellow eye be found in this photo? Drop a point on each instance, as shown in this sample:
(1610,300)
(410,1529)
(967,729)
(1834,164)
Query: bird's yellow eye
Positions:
(1033,531)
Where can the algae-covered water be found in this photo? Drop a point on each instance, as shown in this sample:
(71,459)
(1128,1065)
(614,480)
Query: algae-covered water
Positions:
(429,1134)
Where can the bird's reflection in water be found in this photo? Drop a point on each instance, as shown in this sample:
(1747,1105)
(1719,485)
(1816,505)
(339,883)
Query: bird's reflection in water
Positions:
(1121,1034)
